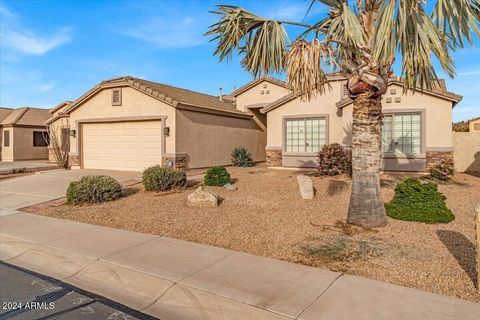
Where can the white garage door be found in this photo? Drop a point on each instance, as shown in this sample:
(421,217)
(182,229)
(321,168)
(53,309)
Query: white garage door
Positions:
(130,146)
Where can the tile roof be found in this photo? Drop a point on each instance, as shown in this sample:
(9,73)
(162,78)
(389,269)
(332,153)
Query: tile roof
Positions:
(185,96)
(4,112)
(174,96)
(27,116)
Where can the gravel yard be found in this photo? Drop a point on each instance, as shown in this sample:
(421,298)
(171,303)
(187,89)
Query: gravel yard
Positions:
(267,217)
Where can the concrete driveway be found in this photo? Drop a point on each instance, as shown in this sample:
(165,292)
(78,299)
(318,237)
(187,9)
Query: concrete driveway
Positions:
(8,166)
(29,190)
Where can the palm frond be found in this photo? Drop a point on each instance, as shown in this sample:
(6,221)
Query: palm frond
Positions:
(262,42)
(458,19)
(306,64)
(417,39)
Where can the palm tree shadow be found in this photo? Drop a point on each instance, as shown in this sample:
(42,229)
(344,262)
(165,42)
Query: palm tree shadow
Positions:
(462,249)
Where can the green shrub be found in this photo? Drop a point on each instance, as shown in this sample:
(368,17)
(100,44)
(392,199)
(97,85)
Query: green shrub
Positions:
(416,201)
(19,170)
(217,176)
(333,160)
(241,157)
(157,178)
(443,170)
(93,189)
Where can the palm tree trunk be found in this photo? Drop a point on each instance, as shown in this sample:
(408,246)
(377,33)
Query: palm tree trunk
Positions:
(366,205)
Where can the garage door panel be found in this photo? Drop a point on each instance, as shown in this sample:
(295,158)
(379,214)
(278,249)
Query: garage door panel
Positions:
(122,146)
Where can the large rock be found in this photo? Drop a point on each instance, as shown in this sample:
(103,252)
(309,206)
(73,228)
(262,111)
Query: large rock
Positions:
(305,185)
(202,197)
(230,187)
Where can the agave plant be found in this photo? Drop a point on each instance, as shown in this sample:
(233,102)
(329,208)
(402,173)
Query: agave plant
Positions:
(241,157)
(360,39)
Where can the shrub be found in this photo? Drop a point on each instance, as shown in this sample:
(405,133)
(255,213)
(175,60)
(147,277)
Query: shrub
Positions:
(19,170)
(334,160)
(157,178)
(217,176)
(93,189)
(442,170)
(416,201)
(241,157)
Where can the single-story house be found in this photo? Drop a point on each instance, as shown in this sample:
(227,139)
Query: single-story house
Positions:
(474,125)
(416,130)
(24,135)
(129,124)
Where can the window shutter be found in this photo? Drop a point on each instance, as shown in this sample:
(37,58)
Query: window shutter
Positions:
(116,97)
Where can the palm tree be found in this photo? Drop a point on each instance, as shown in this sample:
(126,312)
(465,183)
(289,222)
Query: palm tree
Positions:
(360,39)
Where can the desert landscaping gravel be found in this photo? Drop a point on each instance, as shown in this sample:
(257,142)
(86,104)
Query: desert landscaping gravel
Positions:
(266,216)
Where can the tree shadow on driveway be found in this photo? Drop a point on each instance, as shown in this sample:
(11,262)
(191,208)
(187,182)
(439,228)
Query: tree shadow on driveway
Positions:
(462,249)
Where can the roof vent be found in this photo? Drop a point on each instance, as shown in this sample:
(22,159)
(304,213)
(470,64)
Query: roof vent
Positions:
(117,97)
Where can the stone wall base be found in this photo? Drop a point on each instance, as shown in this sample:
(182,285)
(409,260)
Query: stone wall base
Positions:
(435,157)
(74,160)
(176,160)
(273,157)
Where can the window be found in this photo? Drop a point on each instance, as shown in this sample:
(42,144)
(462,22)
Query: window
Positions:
(66,139)
(116,97)
(305,135)
(6,138)
(40,138)
(476,127)
(402,133)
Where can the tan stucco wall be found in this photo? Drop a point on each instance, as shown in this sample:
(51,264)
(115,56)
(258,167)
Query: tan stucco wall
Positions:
(21,145)
(134,104)
(254,96)
(438,116)
(437,133)
(320,105)
(466,151)
(472,124)
(209,139)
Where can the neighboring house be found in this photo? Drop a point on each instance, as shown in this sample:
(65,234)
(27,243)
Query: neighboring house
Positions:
(24,135)
(474,125)
(416,132)
(4,112)
(129,124)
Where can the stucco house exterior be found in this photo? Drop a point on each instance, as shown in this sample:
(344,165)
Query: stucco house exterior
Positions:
(474,125)
(23,134)
(129,124)
(416,132)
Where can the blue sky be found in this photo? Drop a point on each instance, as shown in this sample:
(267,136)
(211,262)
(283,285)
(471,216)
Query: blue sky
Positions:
(52,51)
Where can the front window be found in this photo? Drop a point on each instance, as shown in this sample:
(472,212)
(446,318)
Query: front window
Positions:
(305,135)
(402,133)
(40,138)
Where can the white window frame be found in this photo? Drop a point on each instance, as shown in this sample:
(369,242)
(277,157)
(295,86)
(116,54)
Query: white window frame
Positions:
(304,118)
(394,113)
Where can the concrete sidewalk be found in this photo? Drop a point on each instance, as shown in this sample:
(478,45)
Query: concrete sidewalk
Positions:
(173,279)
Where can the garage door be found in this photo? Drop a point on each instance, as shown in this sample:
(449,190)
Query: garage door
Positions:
(130,146)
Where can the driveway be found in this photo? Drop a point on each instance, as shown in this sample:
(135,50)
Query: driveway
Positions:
(29,190)
(8,166)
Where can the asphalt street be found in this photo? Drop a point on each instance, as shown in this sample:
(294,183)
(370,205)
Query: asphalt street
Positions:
(28,295)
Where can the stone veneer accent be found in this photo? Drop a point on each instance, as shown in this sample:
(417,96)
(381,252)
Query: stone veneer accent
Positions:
(180,160)
(73,160)
(51,155)
(273,157)
(434,157)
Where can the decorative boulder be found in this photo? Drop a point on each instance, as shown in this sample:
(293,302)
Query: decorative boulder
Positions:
(202,197)
(230,187)
(305,185)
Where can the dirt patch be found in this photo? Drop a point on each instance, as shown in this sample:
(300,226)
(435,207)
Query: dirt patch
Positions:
(266,216)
